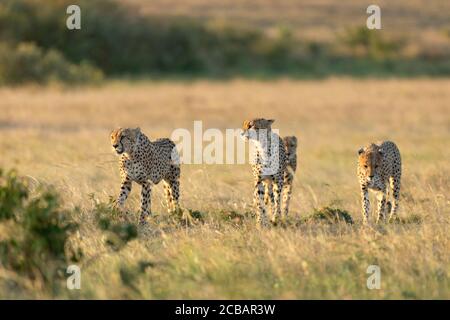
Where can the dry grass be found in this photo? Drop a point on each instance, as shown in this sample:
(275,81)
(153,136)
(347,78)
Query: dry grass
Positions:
(60,137)
(314,19)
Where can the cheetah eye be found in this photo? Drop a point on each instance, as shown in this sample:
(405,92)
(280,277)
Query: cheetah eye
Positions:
(365,166)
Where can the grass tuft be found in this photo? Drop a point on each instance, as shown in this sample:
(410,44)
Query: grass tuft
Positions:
(330,215)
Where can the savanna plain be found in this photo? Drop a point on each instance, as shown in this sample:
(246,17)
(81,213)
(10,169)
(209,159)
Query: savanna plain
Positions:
(59,136)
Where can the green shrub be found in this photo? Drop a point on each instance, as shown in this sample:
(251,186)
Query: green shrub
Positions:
(118,40)
(196,215)
(12,194)
(118,232)
(371,43)
(37,245)
(29,63)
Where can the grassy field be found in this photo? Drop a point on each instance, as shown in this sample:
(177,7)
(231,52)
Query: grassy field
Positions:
(318,20)
(60,137)
(305,14)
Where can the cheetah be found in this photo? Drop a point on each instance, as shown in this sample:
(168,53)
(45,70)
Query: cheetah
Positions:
(378,164)
(269,163)
(146,163)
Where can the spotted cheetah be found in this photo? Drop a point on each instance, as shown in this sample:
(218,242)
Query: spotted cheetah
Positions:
(268,165)
(378,164)
(146,163)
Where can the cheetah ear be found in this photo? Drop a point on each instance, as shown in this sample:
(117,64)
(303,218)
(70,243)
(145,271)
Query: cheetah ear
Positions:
(361,150)
(270,121)
(115,130)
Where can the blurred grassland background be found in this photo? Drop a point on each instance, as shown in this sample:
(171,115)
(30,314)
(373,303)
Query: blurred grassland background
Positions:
(220,39)
(160,65)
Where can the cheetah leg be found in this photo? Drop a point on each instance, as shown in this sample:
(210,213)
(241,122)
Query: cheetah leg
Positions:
(146,194)
(387,209)
(365,203)
(268,196)
(277,190)
(381,209)
(125,190)
(175,194)
(287,191)
(258,202)
(395,188)
(168,196)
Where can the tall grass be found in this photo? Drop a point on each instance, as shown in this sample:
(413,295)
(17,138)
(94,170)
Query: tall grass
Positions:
(58,137)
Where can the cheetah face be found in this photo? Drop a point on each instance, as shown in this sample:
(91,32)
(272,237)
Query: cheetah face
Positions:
(251,128)
(291,144)
(123,140)
(369,163)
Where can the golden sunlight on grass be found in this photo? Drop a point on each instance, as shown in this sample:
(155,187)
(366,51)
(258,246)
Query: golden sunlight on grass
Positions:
(61,137)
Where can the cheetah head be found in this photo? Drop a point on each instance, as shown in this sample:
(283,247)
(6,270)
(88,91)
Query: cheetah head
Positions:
(290,144)
(251,128)
(369,162)
(123,140)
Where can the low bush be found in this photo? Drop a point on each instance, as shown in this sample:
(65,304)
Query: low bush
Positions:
(108,218)
(36,244)
(370,43)
(28,63)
